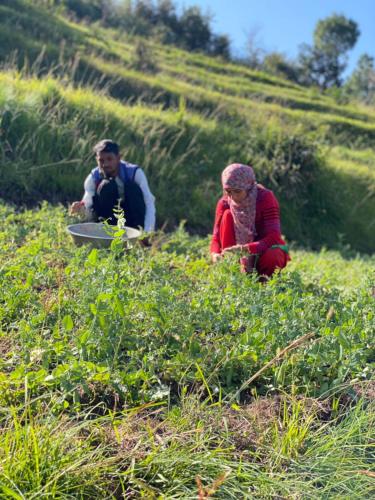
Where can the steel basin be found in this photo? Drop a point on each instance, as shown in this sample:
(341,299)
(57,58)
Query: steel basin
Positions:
(94,233)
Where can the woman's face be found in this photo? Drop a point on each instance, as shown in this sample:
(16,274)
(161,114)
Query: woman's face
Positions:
(237,195)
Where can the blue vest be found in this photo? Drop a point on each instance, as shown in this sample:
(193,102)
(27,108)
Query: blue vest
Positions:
(126,173)
(133,203)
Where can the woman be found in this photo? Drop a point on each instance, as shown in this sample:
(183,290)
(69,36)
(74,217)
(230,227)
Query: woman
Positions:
(248,222)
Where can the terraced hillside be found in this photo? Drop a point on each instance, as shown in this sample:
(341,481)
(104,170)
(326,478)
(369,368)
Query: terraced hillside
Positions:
(183,116)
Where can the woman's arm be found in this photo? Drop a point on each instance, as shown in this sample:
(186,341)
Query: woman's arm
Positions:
(215,247)
(269,229)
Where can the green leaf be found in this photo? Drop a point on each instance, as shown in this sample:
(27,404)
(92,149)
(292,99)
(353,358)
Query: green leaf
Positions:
(10,493)
(93,257)
(68,323)
(119,307)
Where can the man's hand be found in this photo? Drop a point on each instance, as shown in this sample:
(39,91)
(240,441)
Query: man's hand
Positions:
(77,208)
(234,249)
(145,242)
(216,257)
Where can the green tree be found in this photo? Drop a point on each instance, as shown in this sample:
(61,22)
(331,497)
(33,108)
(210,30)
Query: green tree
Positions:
(361,84)
(135,17)
(277,64)
(145,9)
(195,29)
(92,10)
(324,62)
(254,51)
(166,14)
(168,27)
(220,46)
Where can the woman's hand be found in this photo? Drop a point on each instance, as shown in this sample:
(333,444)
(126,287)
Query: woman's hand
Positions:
(216,257)
(235,249)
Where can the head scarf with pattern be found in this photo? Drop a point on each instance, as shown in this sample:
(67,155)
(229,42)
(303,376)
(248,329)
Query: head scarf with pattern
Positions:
(238,176)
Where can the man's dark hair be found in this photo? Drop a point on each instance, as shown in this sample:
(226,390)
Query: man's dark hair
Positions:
(106,146)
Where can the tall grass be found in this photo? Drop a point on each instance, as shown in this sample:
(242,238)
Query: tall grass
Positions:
(195,74)
(50,456)
(269,448)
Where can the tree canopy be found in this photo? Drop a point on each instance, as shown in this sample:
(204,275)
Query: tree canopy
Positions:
(361,84)
(190,30)
(324,62)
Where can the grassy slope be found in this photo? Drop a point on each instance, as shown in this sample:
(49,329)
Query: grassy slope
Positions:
(212,113)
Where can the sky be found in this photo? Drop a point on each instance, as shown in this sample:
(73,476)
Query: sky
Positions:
(283,25)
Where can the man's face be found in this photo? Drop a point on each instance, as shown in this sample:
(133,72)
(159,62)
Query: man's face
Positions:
(108,163)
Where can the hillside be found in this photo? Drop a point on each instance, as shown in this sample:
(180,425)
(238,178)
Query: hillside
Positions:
(183,117)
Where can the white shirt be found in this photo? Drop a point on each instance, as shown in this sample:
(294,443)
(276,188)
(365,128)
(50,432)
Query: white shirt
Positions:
(141,180)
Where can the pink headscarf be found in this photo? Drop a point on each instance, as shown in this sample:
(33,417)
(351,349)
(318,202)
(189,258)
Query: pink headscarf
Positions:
(238,176)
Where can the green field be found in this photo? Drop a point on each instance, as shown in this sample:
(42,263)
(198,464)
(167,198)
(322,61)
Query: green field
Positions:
(123,372)
(150,373)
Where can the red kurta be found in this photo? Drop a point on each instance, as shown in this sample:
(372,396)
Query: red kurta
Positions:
(267,225)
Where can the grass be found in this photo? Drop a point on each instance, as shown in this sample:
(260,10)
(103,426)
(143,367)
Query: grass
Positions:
(269,448)
(43,455)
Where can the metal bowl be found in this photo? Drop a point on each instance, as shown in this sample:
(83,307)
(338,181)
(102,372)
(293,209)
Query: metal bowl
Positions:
(94,233)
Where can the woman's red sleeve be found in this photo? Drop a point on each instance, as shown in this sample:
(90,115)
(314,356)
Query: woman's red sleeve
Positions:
(269,230)
(215,240)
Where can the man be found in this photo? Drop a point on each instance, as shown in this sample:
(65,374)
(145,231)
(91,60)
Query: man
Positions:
(116,183)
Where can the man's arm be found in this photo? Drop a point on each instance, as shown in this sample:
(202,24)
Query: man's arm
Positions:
(149,199)
(85,205)
(89,193)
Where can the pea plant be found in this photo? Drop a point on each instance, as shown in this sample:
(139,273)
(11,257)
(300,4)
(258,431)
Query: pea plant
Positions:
(129,325)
